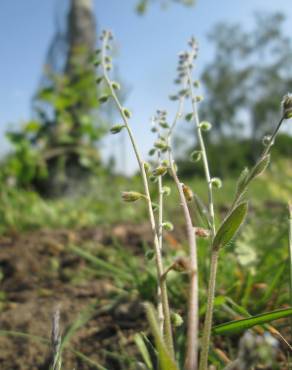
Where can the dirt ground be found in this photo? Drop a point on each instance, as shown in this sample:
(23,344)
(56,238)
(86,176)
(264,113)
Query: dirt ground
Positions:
(34,272)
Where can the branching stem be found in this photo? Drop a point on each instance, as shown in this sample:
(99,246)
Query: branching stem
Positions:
(158,257)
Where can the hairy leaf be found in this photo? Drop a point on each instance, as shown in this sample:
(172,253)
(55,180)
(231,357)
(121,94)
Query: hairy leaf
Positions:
(230,226)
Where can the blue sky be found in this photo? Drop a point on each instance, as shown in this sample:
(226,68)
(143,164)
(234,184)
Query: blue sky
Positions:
(147,50)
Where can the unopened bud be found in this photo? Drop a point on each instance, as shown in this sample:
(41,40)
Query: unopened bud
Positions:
(189,117)
(132,196)
(99,80)
(127,113)
(160,144)
(116,129)
(103,98)
(116,85)
(205,126)
(196,156)
(199,98)
(216,182)
(167,226)
(176,319)
(152,151)
(287,106)
(166,190)
(159,171)
(147,166)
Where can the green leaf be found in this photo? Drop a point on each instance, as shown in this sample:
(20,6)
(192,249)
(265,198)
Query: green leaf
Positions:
(243,324)
(242,182)
(138,338)
(202,211)
(230,226)
(165,360)
(259,168)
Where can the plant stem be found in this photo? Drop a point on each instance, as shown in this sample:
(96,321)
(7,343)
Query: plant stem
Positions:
(160,238)
(193,311)
(158,257)
(290,254)
(191,361)
(214,253)
(209,313)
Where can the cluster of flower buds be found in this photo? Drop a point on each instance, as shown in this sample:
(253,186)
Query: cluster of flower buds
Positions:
(184,68)
(159,123)
(287,106)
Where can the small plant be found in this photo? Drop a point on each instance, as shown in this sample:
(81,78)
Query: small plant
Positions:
(219,235)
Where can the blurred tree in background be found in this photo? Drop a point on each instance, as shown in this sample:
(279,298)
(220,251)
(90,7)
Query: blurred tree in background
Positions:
(142,5)
(250,70)
(57,147)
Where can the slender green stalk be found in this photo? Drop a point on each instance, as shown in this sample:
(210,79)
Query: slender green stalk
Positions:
(290,253)
(191,361)
(160,238)
(158,257)
(214,253)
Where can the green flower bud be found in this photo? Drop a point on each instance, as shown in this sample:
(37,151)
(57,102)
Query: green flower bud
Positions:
(149,255)
(152,152)
(116,129)
(199,98)
(196,156)
(166,190)
(160,144)
(189,117)
(167,226)
(163,124)
(127,113)
(99,80)
(159,171)
(205,126)
(287,106)
(196,84)
(96,63)
(173,97)
(132,196)
(176,319)
(108,66)
(165,163)
(103,99)
(147,166)
(116,85)
(216,182)
(183,92)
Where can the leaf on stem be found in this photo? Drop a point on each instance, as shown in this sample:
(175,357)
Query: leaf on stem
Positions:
(165,360)
(243,324)
(230,226)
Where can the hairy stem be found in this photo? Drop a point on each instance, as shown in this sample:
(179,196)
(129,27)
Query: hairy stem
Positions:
(214,254)
(290,254)
(160,238)
(158,257)
(191,361)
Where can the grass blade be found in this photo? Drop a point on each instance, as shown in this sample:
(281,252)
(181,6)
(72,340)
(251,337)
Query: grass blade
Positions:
(243,324)
(165,360)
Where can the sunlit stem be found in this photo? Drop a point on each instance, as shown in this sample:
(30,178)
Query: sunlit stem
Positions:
(158,257)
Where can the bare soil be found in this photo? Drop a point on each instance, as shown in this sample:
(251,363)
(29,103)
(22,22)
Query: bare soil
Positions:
(37,272)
